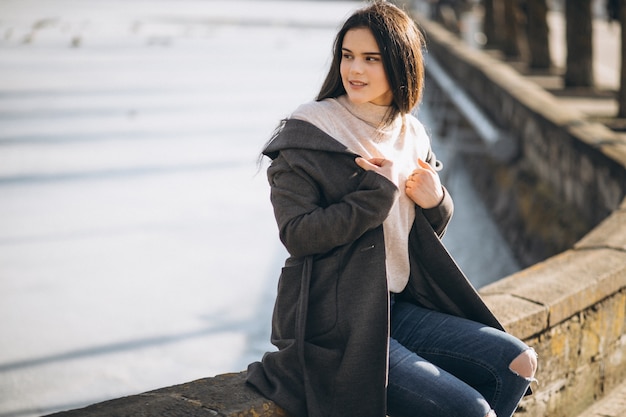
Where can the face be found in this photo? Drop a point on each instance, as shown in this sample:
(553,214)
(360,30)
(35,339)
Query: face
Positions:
(362,71)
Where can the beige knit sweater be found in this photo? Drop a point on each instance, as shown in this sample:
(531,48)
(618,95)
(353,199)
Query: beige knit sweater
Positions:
(358,128)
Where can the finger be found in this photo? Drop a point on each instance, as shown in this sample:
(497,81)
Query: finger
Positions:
(378,161)
(424,164)
(365,164)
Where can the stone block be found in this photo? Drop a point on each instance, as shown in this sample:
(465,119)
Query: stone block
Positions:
(610,233)
(594,134)
(616,151)
(225,395)
(581,359)
(566,283)
(520,317)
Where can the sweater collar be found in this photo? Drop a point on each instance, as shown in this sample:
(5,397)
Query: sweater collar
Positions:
(370,113)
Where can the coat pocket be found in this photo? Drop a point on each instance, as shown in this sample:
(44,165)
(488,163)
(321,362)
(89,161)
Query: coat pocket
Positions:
(322,302)
(286,305)
(322,317)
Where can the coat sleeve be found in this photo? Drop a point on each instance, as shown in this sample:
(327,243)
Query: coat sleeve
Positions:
(440,216)
(310,225)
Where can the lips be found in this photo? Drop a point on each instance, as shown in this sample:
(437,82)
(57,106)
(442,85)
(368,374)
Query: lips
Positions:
(355,83)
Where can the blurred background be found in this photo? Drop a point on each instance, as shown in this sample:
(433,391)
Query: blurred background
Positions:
(137,244)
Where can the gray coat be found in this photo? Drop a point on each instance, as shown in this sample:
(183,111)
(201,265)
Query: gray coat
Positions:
(330,321)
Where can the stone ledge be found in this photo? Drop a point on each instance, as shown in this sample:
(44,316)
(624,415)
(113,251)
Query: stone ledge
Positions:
(521,106)
(225,395)
(524,91)
(611,233)
(523,318)
(541,296)
(551,291)
(570,307)
(527,92)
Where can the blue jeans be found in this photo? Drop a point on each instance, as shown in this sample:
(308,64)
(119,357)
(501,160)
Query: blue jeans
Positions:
(446,366)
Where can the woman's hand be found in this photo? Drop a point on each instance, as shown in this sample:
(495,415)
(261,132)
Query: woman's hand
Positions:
(424,187)
(380,165)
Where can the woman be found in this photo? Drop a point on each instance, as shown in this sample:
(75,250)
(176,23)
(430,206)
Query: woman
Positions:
(372,315)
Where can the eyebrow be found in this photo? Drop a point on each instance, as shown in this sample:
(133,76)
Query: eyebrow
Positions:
(364,53)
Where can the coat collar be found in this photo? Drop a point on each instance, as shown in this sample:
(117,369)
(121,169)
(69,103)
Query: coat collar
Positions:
(298,134)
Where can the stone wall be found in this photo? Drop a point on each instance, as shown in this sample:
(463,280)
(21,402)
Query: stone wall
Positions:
(582,161)
(225,395)
(570,172)
(566,187)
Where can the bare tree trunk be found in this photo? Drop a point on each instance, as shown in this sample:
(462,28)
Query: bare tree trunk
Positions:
(621,95)
(578,34)
(538,34)
(510,45)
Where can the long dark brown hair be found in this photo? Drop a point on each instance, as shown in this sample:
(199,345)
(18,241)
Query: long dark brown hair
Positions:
(400,43)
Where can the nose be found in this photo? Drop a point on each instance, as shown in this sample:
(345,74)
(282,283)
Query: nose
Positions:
(356,67)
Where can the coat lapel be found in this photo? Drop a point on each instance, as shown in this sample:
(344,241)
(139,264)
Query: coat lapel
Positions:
(436,280)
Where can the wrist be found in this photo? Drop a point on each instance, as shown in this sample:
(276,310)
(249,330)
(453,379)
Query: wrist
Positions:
(439,200)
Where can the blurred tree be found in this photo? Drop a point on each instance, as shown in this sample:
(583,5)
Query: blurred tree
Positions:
(578,35)
(510,45)
(447,12)
(491,22)
(538,34)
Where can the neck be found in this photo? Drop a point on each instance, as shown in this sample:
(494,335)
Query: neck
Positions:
(370,113)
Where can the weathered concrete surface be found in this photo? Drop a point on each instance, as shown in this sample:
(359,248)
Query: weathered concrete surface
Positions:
(612,406)
(225,395)
(572,309)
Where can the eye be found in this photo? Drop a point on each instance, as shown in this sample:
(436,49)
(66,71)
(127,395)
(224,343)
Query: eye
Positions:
(346,55)
(372,59)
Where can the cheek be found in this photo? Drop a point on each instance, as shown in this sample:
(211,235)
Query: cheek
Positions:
(343,69)
(343,73)
(382,79)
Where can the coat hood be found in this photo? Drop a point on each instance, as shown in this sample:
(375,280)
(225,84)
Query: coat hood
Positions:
(298,134)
